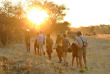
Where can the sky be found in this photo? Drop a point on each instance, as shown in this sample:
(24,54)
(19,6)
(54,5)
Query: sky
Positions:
(85,12)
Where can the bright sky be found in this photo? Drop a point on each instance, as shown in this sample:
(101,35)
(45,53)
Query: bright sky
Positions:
(86,12)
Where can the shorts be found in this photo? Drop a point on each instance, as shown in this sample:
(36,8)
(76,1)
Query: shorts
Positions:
(75,53)
(81,52)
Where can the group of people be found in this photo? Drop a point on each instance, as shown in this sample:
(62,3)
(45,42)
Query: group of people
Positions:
(62,46)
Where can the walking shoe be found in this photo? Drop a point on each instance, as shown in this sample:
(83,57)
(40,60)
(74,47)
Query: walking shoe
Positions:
(86,69)
(77,69)
(81,71)
(72,67)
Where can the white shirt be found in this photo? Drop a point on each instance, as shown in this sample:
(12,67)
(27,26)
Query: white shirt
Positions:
(41,38)
(79,42)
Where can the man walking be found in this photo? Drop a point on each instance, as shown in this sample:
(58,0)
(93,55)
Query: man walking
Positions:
(49,45)
(40,42)
(27,40)
(81,43)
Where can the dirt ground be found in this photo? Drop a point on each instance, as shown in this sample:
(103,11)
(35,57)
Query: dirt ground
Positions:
(22,62)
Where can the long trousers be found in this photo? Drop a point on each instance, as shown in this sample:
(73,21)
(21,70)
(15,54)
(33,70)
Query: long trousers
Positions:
(41,47)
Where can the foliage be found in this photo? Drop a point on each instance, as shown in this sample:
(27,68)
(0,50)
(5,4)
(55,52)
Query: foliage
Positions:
(10,23)
(56,14)
(93,30)
(13,21)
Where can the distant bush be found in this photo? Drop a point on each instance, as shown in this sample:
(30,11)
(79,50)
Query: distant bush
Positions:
(93,30)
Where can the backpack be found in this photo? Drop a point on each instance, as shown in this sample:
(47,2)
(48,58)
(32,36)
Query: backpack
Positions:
(73,48)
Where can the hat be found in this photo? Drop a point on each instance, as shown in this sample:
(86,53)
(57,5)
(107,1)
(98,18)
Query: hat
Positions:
(78,32)
(27,30)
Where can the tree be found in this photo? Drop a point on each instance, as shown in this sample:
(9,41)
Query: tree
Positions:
(56,15)
(13,19)
(10,22)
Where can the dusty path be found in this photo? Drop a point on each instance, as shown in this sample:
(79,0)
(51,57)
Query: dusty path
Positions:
(98,58)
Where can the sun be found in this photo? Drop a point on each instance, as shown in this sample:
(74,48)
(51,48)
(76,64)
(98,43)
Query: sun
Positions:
(37,15)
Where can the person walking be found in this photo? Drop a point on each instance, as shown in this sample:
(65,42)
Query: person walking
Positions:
(35,44)
(81,43)
(41,42)
(58,41)
(27,40)
(65,45)
(74,55)
(49,45)
(58,47)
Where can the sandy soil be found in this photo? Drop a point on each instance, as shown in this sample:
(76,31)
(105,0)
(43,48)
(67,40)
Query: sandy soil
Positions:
(98,60)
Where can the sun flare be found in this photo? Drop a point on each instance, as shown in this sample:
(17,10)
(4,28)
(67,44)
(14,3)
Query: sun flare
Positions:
(37,16)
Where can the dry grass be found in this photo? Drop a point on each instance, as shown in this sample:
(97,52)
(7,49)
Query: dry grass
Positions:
(15,60)
(101,36)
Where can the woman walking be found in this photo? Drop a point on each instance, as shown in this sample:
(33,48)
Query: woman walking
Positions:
(65,45)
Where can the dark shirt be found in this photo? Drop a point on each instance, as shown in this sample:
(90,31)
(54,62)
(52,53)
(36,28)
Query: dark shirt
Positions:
(27,38)
(65,43)
(49,42)
(58,40)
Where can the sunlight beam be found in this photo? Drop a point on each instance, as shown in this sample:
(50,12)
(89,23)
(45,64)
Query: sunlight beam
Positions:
(36,15)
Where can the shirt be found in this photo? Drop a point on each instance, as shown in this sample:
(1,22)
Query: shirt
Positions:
(49,42)
(58,40)
(65,42)
(79,42)
(27,38)
(41,38)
